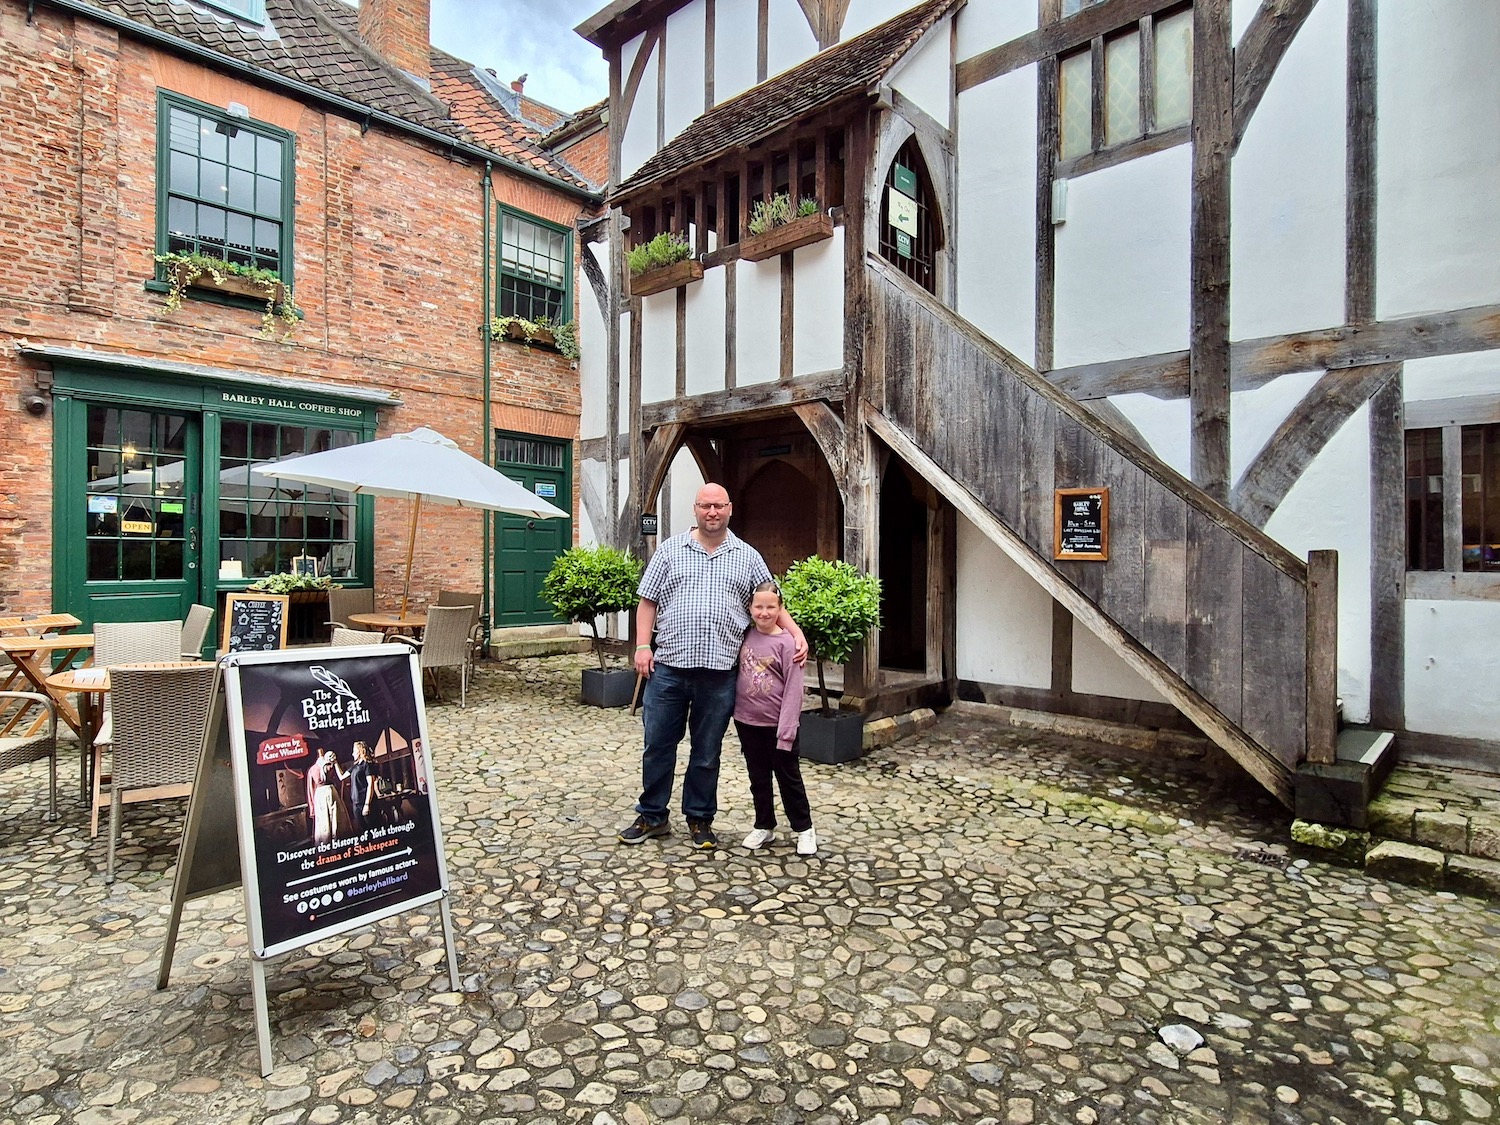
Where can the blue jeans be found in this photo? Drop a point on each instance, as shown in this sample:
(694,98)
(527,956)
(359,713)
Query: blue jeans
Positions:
(699,700)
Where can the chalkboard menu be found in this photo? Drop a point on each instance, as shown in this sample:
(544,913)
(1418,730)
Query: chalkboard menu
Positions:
(255,622)
(1080,524)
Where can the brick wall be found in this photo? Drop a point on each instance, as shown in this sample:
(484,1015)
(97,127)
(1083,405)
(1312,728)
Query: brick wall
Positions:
(387,272)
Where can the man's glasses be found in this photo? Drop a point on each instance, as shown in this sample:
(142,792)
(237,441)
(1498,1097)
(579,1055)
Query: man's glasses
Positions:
(711,507)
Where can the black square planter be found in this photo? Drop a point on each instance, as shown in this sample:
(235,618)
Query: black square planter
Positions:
(835,738)
(608,689)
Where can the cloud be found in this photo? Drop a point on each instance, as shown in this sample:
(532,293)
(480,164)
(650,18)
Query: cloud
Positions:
(531,37)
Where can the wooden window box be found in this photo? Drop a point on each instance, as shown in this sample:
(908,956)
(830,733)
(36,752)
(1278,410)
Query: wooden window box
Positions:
(541,336)
(234,285)
(663,278)
(788,236)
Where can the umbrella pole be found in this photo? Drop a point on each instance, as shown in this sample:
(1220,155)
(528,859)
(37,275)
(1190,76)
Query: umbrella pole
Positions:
(411,549)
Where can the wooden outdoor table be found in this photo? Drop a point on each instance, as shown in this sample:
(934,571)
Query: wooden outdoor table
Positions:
(33,659)
(37,624)
(392,623)
(91,687)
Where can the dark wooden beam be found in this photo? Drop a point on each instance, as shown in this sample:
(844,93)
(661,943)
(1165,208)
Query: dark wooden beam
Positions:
(1046,243)
(740,403)
(1262,47)
(1359,166)
(633,82)
(1254,363)
(1322,412)
(1208,347)
(827,429)
(762,39)
(1387,558)
(1052,39)
(1322,656)
(656,460)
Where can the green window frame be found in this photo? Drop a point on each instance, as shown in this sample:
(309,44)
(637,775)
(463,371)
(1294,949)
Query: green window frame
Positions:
(224,186)
(533,268)
(264,522)
(136,507)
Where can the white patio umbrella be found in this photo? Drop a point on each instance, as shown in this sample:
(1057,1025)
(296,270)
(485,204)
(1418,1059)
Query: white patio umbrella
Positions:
(422,466)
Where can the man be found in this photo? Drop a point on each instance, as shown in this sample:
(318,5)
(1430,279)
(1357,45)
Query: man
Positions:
(695,594)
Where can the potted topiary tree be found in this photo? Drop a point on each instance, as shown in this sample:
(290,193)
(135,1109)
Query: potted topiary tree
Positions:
(584,584)
(836,607)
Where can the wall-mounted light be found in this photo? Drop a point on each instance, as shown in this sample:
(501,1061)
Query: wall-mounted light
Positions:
(1059,202)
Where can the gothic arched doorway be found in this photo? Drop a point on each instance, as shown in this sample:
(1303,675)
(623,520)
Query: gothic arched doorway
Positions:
(904,520)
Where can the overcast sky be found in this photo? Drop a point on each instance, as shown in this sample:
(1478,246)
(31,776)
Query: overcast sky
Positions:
(533,37)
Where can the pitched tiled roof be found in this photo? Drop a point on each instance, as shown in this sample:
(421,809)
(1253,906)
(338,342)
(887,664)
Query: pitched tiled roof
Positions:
(837,73)
(316,42)
(491,123)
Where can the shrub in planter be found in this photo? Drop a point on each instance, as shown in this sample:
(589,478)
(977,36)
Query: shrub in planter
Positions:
(836,607)
(584,584)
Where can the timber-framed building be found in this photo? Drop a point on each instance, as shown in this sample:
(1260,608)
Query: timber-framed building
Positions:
(1236,263)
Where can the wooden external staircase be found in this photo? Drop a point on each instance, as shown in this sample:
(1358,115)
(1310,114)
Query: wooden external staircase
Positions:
(1236,631)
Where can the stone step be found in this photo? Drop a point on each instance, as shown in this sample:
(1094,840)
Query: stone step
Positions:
(1340,794)
(536,640)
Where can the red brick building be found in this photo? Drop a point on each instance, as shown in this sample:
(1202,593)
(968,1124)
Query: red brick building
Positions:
(397,201)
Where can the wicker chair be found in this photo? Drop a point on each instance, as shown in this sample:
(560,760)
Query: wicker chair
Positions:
(476,638)
(136,642)
(342,602)
(343,637)
(159,715)
(195,631)
(445,644)
(37,747)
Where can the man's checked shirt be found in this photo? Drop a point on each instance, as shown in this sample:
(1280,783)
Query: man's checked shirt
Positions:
(702,600)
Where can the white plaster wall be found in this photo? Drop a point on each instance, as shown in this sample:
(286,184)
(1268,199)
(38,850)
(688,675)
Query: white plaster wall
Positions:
(1438,97)
(685,62)
(1164,423)
(593,356)
(996,217)
(789,40)
(927,77)
(865,14)
(639,140)
(686,481)
(982,26)
(704,334)
(1329,507)
(757,319)
(622,423)
(818,308)
(1098,671)
(658,347)
(1254,416)
(1287,191)
(1452,667)
(1240,14)
(1452,376)
(1004,617)
(734,49)
(1122,261)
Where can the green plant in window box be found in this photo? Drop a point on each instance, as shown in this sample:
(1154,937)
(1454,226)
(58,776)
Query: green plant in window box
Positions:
(666,249)
(563,337)
(292,584)
(185,270)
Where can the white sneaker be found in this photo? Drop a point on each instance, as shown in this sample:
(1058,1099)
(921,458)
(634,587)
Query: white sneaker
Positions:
(807,843)
(760,837)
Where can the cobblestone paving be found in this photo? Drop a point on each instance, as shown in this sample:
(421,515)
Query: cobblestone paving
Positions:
(1000,927)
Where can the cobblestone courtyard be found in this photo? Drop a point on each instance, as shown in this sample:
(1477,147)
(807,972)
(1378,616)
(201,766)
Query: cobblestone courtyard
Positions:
(998,927)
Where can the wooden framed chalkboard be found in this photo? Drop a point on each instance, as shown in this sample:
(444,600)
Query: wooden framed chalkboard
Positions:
(1080,524)
(255,622)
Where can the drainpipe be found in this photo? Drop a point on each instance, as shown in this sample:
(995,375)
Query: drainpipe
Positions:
(489,429)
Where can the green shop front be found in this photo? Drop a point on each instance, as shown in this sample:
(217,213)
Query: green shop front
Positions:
(161,497)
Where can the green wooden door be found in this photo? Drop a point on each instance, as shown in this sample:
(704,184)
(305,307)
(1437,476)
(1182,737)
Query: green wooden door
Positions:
(130,505)
(525,548)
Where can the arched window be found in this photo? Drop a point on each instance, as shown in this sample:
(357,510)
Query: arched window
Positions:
(911,231)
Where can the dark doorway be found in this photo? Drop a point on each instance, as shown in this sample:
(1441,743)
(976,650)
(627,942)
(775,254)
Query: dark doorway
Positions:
(777,514)
(903,573)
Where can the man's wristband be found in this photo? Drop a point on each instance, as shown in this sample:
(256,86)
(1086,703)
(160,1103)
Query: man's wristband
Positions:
(639,647)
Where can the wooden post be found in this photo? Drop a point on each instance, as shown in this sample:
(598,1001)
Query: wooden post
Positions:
(1322,656)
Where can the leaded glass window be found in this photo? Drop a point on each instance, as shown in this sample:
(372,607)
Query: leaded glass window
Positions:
(1076,102)
(1174,69)
(1122,88)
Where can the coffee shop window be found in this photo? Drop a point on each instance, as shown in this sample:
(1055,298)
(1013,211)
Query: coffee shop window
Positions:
(136,524)
(270,526)
(1453,498)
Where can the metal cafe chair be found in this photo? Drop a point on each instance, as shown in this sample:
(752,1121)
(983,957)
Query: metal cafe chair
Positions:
(445,643)
(476,640)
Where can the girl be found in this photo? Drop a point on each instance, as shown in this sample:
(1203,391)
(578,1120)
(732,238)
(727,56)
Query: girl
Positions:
(767,709)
